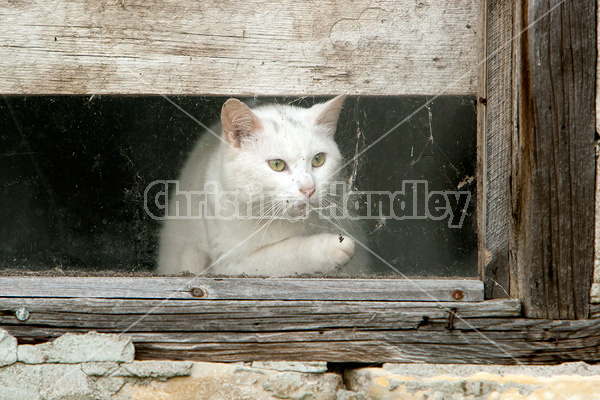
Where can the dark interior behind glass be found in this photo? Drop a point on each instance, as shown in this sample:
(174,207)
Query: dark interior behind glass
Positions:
(73,171)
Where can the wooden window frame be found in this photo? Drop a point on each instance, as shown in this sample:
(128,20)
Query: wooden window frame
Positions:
(537,223)
(536,247)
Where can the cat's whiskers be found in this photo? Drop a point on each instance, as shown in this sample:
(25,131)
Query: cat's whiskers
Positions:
(331,206)
(264,199)
(340,216)
(278,209)
(267,215)
(331,202)
(265,194)
(257,210)
(288,203)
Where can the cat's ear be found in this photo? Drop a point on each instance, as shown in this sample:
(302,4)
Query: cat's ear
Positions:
(238,121)
(327,114)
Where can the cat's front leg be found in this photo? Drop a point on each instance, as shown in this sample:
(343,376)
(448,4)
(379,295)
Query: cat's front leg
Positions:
(321,253)
(331,251)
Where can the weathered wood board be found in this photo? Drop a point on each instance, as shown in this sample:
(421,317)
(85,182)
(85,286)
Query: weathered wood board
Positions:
(553,176)
(218,324)
(243,288)
(255,47)
(595,291)
(495,150)
(118,315)
(361,331)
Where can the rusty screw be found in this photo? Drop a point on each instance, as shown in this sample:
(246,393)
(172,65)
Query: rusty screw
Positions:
(458,294)
(198,292)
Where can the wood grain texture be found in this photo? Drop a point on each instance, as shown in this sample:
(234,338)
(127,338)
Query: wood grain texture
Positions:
(595,292)
(496,149)
(243,288)
(260,47)
(224,330)
(118,315)
(553,173)
(433,346)
(513,196)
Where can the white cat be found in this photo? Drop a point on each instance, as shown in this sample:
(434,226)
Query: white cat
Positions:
(284,156)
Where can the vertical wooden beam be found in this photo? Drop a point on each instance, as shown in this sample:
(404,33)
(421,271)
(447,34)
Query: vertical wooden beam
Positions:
(496,147)
(595,291)
(552,187)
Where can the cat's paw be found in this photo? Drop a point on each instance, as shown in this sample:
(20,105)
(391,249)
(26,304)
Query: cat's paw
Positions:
(336,249)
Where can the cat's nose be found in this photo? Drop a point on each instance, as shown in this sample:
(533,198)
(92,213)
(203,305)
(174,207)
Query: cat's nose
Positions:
(307,191)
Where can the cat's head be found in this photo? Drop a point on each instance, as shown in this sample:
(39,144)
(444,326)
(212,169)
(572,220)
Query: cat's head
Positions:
(286,153)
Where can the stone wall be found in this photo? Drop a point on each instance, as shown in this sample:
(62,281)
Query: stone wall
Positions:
(102,366)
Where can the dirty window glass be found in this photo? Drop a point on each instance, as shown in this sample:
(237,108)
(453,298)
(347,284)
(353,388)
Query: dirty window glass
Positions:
(74,171)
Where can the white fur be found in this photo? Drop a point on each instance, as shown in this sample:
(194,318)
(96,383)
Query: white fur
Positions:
(278,247)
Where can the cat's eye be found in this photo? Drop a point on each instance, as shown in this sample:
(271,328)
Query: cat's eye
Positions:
(277,165)
(318,160)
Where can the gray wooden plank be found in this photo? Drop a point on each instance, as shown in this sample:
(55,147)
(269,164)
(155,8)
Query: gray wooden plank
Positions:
(252,47)
(390,346)
(243,288)
(497,341)
(495,150)
(554,173)
(595,291)
(488,308)
(119,315)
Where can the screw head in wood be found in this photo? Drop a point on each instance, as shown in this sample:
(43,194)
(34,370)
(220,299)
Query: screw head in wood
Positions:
(458,294)
(22,314)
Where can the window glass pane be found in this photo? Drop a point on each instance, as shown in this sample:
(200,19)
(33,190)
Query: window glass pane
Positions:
(74,171)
